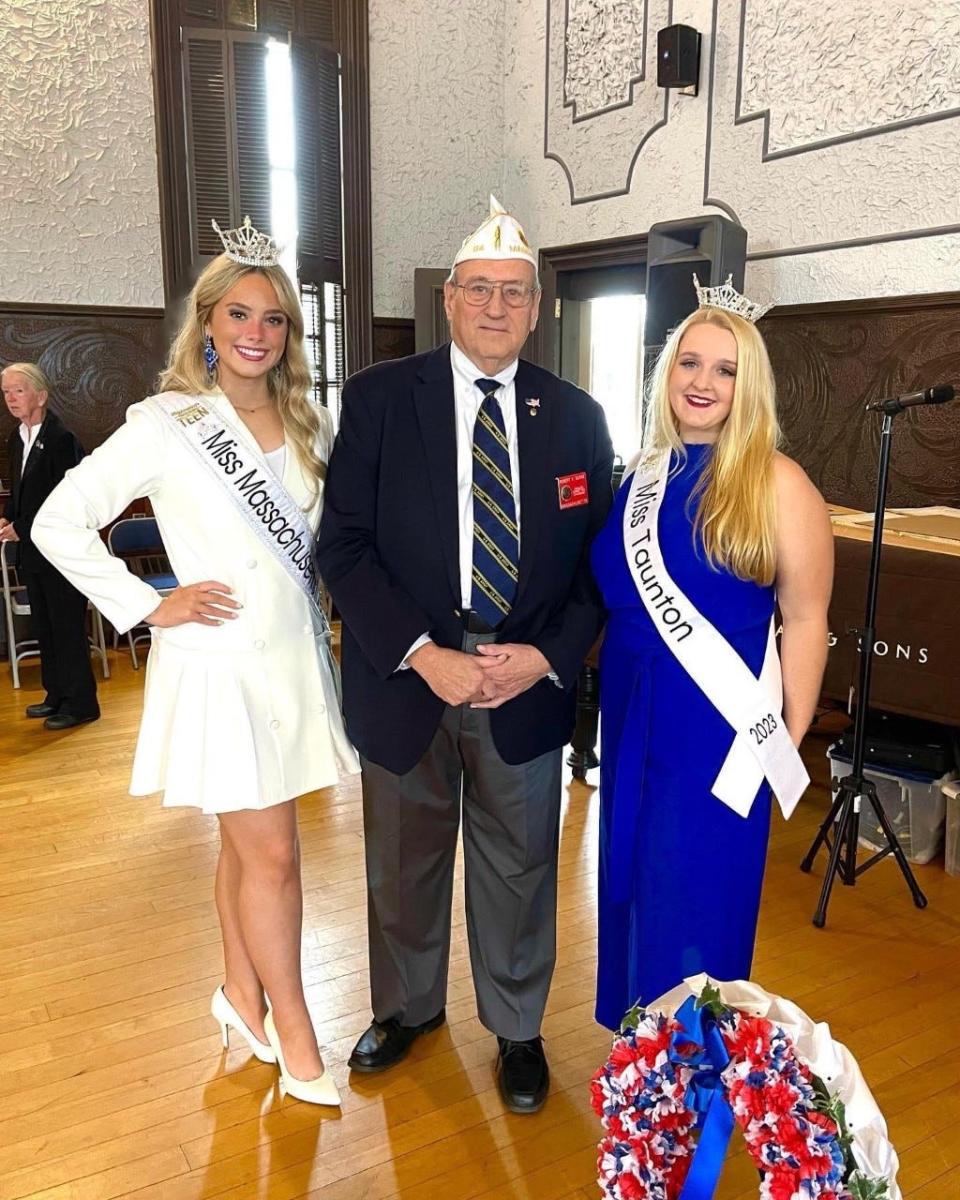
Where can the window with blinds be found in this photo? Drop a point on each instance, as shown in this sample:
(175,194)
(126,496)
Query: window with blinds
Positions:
(231,108)
(323,334)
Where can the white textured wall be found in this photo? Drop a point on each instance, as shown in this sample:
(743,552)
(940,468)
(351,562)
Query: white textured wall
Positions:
(79,207)
(436,112)
(844,133)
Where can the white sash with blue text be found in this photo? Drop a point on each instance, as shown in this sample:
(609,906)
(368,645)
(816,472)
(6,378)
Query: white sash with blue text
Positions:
(762,747)
(265,506)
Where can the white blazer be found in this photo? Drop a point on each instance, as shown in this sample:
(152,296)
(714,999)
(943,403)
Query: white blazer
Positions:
(240,715)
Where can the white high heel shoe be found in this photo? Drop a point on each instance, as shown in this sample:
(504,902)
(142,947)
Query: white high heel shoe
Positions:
(321,1090)
(228,1018)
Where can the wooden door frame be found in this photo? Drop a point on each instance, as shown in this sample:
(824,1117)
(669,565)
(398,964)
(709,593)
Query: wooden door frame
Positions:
(544,344)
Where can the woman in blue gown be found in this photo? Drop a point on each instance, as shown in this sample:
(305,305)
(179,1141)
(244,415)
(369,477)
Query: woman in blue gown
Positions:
(740,528)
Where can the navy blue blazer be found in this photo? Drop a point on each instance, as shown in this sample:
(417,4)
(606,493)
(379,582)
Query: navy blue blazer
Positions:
(388,550)
(55,451)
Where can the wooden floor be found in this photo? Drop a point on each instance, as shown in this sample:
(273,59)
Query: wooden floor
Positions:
(112,1081)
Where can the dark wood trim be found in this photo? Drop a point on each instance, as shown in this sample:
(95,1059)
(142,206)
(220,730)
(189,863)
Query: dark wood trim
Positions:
(80,310)
(430,324)
(607,252)
(172,174)
(544,344)
(394,322)
(871,305)
(354,38)
(393,337)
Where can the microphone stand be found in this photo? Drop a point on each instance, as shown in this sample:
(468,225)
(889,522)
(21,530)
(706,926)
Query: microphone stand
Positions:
(854,788)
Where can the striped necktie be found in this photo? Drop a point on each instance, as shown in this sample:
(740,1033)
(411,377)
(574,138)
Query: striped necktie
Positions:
(496,540)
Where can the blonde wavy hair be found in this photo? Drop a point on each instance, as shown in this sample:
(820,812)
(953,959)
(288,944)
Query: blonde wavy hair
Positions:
(37,378)
(735,502)
(288,382)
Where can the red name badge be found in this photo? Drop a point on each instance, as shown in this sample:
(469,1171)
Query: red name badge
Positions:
(572,489)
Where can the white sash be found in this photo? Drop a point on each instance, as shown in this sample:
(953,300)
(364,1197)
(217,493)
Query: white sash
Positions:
(762,746)
(266,507)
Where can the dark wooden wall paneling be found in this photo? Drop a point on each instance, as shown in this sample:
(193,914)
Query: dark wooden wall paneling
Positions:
(831,360)
(98,361)
(393,337)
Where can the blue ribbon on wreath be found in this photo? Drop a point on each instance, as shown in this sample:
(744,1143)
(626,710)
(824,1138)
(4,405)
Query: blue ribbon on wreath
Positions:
(700,1044)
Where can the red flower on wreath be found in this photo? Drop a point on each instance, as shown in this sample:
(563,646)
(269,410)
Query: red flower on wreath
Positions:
(631,1188)
(649,1049)
(750,1040)
(624,1055)
(823,1121)
(783,1184)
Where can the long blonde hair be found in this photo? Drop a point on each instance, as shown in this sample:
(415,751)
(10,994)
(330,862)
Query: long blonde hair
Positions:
(735,504)
(288,382)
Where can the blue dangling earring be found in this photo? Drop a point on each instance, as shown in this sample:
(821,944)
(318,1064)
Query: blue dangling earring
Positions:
(210,355)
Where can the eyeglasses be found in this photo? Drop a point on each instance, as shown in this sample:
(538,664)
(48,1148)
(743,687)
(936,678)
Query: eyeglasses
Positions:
(480,291)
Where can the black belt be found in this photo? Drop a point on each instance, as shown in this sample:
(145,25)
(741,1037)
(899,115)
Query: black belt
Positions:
(474,624)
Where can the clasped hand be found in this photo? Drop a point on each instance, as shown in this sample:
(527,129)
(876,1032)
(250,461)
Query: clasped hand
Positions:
(7,531)
(487,679)
(205,603)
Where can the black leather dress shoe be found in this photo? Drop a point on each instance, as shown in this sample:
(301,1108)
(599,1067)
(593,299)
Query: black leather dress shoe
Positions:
(387,1042)
(523,1075)
(67,720)
(41,710)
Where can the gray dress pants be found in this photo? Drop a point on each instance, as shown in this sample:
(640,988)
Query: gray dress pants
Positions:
(510,837)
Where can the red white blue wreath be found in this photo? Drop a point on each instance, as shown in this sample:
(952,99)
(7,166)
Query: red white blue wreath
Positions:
(708,1057)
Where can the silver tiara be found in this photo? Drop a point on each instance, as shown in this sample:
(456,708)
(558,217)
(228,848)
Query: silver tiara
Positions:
(248,246)
(728,298)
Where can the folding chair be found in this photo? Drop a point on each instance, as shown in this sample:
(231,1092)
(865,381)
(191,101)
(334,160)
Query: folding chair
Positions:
(17,604)
(138,542)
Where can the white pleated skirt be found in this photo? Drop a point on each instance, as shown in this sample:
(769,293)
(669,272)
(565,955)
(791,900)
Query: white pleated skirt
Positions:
(230,731)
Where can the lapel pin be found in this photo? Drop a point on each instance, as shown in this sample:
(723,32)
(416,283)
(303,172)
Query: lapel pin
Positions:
(533,404)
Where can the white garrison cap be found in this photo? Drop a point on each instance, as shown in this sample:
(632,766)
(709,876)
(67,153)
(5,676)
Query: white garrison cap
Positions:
(500,236)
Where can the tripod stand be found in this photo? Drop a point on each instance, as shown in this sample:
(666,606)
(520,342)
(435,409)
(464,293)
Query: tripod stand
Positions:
(844,816)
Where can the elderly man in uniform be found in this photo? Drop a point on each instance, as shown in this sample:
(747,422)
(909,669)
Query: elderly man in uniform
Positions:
(41,450)
(463,492)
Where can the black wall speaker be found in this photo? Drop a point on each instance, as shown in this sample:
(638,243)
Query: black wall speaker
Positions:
(711,246)
(678,56)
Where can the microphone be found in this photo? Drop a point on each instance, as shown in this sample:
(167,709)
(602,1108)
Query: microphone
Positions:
(941,394)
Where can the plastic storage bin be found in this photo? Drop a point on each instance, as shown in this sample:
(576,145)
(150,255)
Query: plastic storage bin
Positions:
(915,808)
(951,853)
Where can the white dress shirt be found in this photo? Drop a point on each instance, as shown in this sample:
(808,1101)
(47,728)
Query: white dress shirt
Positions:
(29,435)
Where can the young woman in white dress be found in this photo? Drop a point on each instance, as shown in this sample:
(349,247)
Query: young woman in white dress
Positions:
(241,712)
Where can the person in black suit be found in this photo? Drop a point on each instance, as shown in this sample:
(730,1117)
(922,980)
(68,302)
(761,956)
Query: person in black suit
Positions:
(462,494)
(40,452)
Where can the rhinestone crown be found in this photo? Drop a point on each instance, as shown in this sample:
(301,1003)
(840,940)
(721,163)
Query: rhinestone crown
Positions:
(248,246)
(727,297)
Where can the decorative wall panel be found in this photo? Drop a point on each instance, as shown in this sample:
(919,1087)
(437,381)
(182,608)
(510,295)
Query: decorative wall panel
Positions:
(830,361)
(604,54)
(602,100)
(814,82)
(98,364)
(79,207)
(836,130)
